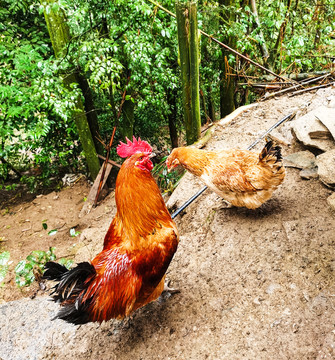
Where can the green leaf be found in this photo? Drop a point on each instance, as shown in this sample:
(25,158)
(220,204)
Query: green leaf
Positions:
(20,266)
(45,225)
(74,233)
(4,259)
(66,262)
(52,232)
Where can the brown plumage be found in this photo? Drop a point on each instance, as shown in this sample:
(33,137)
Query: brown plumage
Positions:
(129,272)
(242,177)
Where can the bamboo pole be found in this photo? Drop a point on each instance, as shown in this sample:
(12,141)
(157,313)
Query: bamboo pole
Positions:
(195,130)
(184,58)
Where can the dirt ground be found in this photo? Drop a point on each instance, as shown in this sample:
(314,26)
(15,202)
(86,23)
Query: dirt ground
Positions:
(255,284)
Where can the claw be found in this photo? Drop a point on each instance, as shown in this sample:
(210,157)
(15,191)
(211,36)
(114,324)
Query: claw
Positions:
(171,291)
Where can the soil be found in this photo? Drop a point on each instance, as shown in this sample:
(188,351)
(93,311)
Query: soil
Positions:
(254,284)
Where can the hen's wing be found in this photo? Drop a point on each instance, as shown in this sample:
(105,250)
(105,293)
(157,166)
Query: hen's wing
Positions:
(228,171)
(231,178)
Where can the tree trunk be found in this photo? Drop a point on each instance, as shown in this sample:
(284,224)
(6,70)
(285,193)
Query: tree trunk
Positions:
(210,104)
(189,63)
(91,113)
(60,37)
(194,74)
(263,47)
(172,117)
(280,38)
(227,83)
(127,123)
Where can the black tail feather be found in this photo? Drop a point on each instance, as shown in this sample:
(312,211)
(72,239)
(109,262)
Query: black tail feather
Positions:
(69,290)
(269,149)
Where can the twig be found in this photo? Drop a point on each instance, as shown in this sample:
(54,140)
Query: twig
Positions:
(295,86)
(312,88)
(110,144)
(109,161)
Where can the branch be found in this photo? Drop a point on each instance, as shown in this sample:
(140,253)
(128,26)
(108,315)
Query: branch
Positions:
(10,166)
(312,88)
(294,87)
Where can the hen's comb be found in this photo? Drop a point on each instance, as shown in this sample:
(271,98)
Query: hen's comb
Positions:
(125,150)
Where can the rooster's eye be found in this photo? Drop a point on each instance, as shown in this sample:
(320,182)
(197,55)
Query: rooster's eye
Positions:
(141,158)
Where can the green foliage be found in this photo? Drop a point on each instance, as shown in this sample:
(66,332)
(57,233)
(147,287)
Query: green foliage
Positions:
(26,269)
(120,45)
(4,260)
(36,126)
(167,181)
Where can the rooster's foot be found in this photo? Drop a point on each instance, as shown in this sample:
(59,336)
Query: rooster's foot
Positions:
(169,290)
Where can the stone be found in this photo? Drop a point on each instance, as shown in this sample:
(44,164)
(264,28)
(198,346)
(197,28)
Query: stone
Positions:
(300,160)
(326,167)
(331,201)
(328,120)
(308,174)
(311,132)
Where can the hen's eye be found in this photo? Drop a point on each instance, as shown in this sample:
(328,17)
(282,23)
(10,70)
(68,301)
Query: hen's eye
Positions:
(141,158)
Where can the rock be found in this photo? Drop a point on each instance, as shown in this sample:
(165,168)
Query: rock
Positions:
(308,174)
(328,120)
(279,138)
(331,201)
(300,160)
(15,344)
(311,132)
(326,167)
(331,100)
(327,350)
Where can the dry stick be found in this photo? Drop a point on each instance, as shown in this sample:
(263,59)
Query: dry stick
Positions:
(189,201)
(109,161)
(312,88)
(108,148)
(104,168)
(225,46)
(295,86)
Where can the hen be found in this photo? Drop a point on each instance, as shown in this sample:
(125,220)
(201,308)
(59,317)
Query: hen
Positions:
(129,272)
(241,177)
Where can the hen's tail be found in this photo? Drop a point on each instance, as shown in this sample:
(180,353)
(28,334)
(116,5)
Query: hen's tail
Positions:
(271,154)
(69,290)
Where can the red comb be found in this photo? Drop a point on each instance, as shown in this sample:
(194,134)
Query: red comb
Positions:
(125,150)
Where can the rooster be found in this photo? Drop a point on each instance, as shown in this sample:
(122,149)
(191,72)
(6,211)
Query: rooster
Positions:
(241,177)
(139,245)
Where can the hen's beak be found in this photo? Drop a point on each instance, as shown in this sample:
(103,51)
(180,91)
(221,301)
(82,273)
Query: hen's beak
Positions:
(152,155)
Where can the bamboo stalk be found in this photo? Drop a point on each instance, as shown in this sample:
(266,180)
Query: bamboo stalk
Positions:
(295,87)
(184,57)
(312,88)
(194,134)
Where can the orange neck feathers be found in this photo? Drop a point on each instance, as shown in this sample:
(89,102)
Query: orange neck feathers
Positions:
(193,160)
(140,206)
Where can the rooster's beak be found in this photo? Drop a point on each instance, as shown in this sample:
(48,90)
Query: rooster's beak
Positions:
(152,155)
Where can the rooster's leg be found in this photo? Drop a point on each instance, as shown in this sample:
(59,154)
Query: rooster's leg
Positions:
(171,291)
